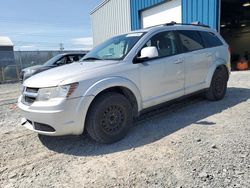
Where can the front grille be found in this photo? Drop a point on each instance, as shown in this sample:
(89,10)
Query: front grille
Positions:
(29,95)
(31,90)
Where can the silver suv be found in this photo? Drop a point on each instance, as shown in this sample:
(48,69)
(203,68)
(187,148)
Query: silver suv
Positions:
(119,79)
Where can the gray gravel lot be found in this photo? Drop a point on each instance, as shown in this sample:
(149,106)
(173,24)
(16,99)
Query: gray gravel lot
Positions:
(193,143)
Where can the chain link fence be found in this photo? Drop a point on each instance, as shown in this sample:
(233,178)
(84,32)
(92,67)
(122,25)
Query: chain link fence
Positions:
(12,64)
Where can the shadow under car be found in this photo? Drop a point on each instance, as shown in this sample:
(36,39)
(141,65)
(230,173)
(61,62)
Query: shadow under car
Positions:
(151,126)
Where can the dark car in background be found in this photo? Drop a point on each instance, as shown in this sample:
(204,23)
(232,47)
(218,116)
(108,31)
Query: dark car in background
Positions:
(56,61)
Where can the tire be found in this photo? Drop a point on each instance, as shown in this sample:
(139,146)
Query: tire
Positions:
(218,86)
(109,118)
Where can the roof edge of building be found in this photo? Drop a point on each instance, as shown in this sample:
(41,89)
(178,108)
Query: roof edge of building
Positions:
(5,41)
(99,6)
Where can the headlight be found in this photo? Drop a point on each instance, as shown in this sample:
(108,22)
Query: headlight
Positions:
(29,72)
(65,91)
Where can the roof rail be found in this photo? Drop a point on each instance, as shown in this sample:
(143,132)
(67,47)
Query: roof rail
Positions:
(192,24)
(174,23)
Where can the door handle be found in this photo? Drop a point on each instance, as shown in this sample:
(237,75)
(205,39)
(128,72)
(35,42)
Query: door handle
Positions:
(178,61)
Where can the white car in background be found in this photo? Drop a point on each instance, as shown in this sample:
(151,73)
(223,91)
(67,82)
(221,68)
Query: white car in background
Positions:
(124,76)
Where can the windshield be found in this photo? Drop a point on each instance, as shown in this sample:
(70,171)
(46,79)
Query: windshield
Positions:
(115,48)
(51,61)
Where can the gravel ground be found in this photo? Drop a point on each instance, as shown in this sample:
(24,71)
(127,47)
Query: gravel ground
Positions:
(193,143)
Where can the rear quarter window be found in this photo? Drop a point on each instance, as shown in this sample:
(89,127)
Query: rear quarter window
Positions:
(210,39)
(191,40)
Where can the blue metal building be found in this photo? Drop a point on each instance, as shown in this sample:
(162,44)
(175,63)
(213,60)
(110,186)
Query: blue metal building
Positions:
(230,17)
(205,11)
(122,16)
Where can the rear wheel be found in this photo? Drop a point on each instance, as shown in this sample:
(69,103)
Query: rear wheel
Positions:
(218,87)
(109,118)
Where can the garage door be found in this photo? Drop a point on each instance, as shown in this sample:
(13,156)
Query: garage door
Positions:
(163,13)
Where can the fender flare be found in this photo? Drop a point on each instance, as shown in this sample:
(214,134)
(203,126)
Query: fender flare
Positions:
(110,82)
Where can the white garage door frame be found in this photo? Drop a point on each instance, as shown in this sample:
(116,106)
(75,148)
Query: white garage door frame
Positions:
(163,13)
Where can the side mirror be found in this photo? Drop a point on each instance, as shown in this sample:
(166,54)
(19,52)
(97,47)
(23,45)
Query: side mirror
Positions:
(147,53)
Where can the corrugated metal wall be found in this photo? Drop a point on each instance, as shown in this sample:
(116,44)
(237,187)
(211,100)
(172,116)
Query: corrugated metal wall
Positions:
(136,7)
(205,11)
(112,17)
(118,16)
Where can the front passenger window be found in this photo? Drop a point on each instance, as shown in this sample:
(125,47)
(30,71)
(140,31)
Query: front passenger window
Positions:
(165,43)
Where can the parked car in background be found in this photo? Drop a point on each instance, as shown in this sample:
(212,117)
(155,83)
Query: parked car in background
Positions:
(56,61)
(121,78)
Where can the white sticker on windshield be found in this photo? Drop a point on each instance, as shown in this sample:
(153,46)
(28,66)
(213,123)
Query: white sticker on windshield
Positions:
(134,35)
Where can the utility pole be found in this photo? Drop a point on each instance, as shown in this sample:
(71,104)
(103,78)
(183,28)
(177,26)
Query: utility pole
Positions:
(20,59)
(61,47)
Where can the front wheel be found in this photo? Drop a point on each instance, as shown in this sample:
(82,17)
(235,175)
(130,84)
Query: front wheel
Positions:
(218,87)
(109,118)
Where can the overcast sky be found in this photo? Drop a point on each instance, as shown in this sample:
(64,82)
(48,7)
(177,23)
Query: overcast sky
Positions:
(44,24)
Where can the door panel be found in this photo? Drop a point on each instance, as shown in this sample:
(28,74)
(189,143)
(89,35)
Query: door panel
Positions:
(196,66)
(195,60)
(162,79)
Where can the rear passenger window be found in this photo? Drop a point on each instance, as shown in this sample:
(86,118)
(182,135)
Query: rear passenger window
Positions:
(191,40)
(210,39)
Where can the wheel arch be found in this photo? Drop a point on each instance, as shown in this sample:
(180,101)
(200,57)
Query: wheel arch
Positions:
(216,66)
(119,85)
(111,84)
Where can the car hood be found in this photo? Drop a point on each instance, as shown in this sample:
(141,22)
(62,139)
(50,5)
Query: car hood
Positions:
(37,68)
(55,76)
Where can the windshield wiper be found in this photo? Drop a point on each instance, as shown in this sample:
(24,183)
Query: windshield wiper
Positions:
(91,58)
